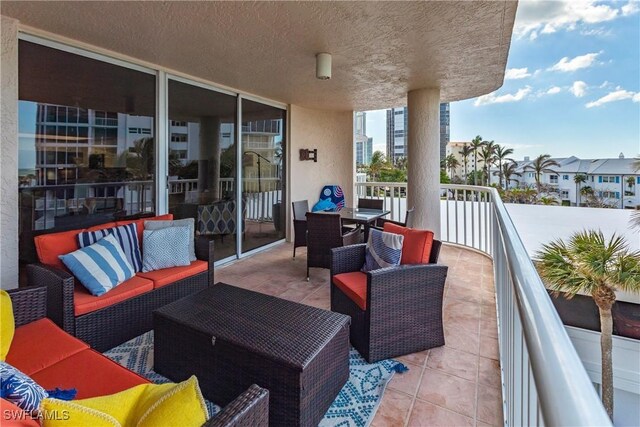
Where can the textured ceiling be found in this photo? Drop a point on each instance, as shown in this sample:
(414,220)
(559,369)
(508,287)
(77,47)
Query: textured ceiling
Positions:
(380,50)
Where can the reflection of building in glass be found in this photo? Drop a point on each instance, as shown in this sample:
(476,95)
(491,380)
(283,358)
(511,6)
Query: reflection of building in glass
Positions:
(398,124)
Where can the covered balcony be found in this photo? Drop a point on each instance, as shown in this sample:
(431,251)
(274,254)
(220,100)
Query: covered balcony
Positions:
(208,110)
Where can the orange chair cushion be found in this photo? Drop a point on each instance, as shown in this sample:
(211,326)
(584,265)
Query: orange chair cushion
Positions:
(140,223)
(353,285)
(13,416)
(40,344)
(84,302)
(50,246)
(416,247)
(89,372)
(167,276)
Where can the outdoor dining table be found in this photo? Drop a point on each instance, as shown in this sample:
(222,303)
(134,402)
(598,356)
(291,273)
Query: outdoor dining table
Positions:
(361,216)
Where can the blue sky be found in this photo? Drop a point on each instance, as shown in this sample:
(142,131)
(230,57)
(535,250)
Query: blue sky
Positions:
(572,85)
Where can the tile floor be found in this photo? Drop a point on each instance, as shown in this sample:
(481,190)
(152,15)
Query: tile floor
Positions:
(454,385)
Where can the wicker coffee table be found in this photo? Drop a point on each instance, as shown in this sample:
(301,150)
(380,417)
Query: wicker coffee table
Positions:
(231,338)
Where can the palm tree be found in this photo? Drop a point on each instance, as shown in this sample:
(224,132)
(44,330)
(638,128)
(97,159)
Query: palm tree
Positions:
(501,154)
(579,179)
(465,153)
(631,181)
(487,157)
(377,164)
(548,201)
(509,169)
(591,265)
(542,163)
(476,145)
(450,163)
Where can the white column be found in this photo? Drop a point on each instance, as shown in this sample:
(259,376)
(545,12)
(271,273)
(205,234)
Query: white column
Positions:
(423,155)
(9,154)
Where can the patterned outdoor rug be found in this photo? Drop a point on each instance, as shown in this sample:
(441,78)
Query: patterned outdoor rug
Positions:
(355,405)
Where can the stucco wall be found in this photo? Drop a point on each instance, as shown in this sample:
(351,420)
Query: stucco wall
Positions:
(331,132)
(8,153)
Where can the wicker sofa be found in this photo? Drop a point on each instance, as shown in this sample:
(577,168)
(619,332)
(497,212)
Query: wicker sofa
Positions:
(124,312)
(394,311)
(54,358)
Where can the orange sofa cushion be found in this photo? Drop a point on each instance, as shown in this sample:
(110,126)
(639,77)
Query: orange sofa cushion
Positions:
(50,246)
(416,247)
(167,276)
(89,372)
(52,345)
(140,223)
(85,303)
(13,416)
(354,285)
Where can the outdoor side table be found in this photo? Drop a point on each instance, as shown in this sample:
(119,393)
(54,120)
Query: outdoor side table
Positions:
(231,338)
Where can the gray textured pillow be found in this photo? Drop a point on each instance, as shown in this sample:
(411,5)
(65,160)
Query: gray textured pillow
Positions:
(187,222)
(166,247)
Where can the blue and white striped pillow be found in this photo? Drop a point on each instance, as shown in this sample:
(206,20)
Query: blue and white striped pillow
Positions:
(127,236)
(101,266)
(383,250)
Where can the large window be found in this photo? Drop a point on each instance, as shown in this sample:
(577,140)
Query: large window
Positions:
(202,162)
(78,164)
(263,174)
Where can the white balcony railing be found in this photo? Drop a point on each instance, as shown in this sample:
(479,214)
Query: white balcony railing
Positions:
(543,379)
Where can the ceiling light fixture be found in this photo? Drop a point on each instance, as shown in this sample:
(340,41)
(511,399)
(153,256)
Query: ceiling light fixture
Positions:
(323,66)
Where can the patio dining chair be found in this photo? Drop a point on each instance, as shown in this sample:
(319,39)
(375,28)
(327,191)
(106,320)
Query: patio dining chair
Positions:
(300,209)
(408,220)
(371,204)
(324,232)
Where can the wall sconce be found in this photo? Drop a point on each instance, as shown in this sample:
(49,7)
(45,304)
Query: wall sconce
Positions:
(307,154)
(323,66)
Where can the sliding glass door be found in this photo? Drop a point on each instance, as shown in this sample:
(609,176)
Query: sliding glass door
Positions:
(263,174)
(202,162)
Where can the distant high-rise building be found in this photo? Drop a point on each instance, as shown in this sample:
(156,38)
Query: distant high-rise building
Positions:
(398,124)
(363,144)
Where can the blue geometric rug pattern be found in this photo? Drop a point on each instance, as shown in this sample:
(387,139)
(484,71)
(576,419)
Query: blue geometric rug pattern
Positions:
(355,406)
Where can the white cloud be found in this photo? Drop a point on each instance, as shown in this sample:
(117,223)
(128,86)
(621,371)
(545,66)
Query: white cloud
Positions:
(583,61)
(538,17)
(516,73)
(553,90)
(630,8)
(599,32)
(492,98)
(578,89)
(617,95)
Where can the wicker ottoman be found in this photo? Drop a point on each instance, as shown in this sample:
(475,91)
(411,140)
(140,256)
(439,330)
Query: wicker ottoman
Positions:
(231,338)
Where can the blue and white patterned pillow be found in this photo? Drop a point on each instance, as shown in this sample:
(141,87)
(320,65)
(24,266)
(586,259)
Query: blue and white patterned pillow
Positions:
(101,266)
(127,236)
(383,250)
(20,389)
(166,247)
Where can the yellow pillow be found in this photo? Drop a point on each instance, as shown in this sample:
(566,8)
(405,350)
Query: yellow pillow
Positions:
(143,405)
(7,324)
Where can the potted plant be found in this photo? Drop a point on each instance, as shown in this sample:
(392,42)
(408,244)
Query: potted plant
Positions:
(590,264)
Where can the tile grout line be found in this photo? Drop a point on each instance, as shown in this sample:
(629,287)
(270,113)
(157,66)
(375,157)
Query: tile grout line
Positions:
(414,397)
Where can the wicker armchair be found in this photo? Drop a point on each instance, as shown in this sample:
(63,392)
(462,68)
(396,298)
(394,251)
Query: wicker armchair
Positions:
(251,408)
(300,209)
(403,311)
(324,232)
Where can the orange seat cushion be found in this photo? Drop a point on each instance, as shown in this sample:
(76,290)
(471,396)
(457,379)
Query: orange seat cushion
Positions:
(13,416)
(84,302)
(89,372)
(52,344)
(140,223)
(416,247)
(50,246)
(167,276)
(353,285)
